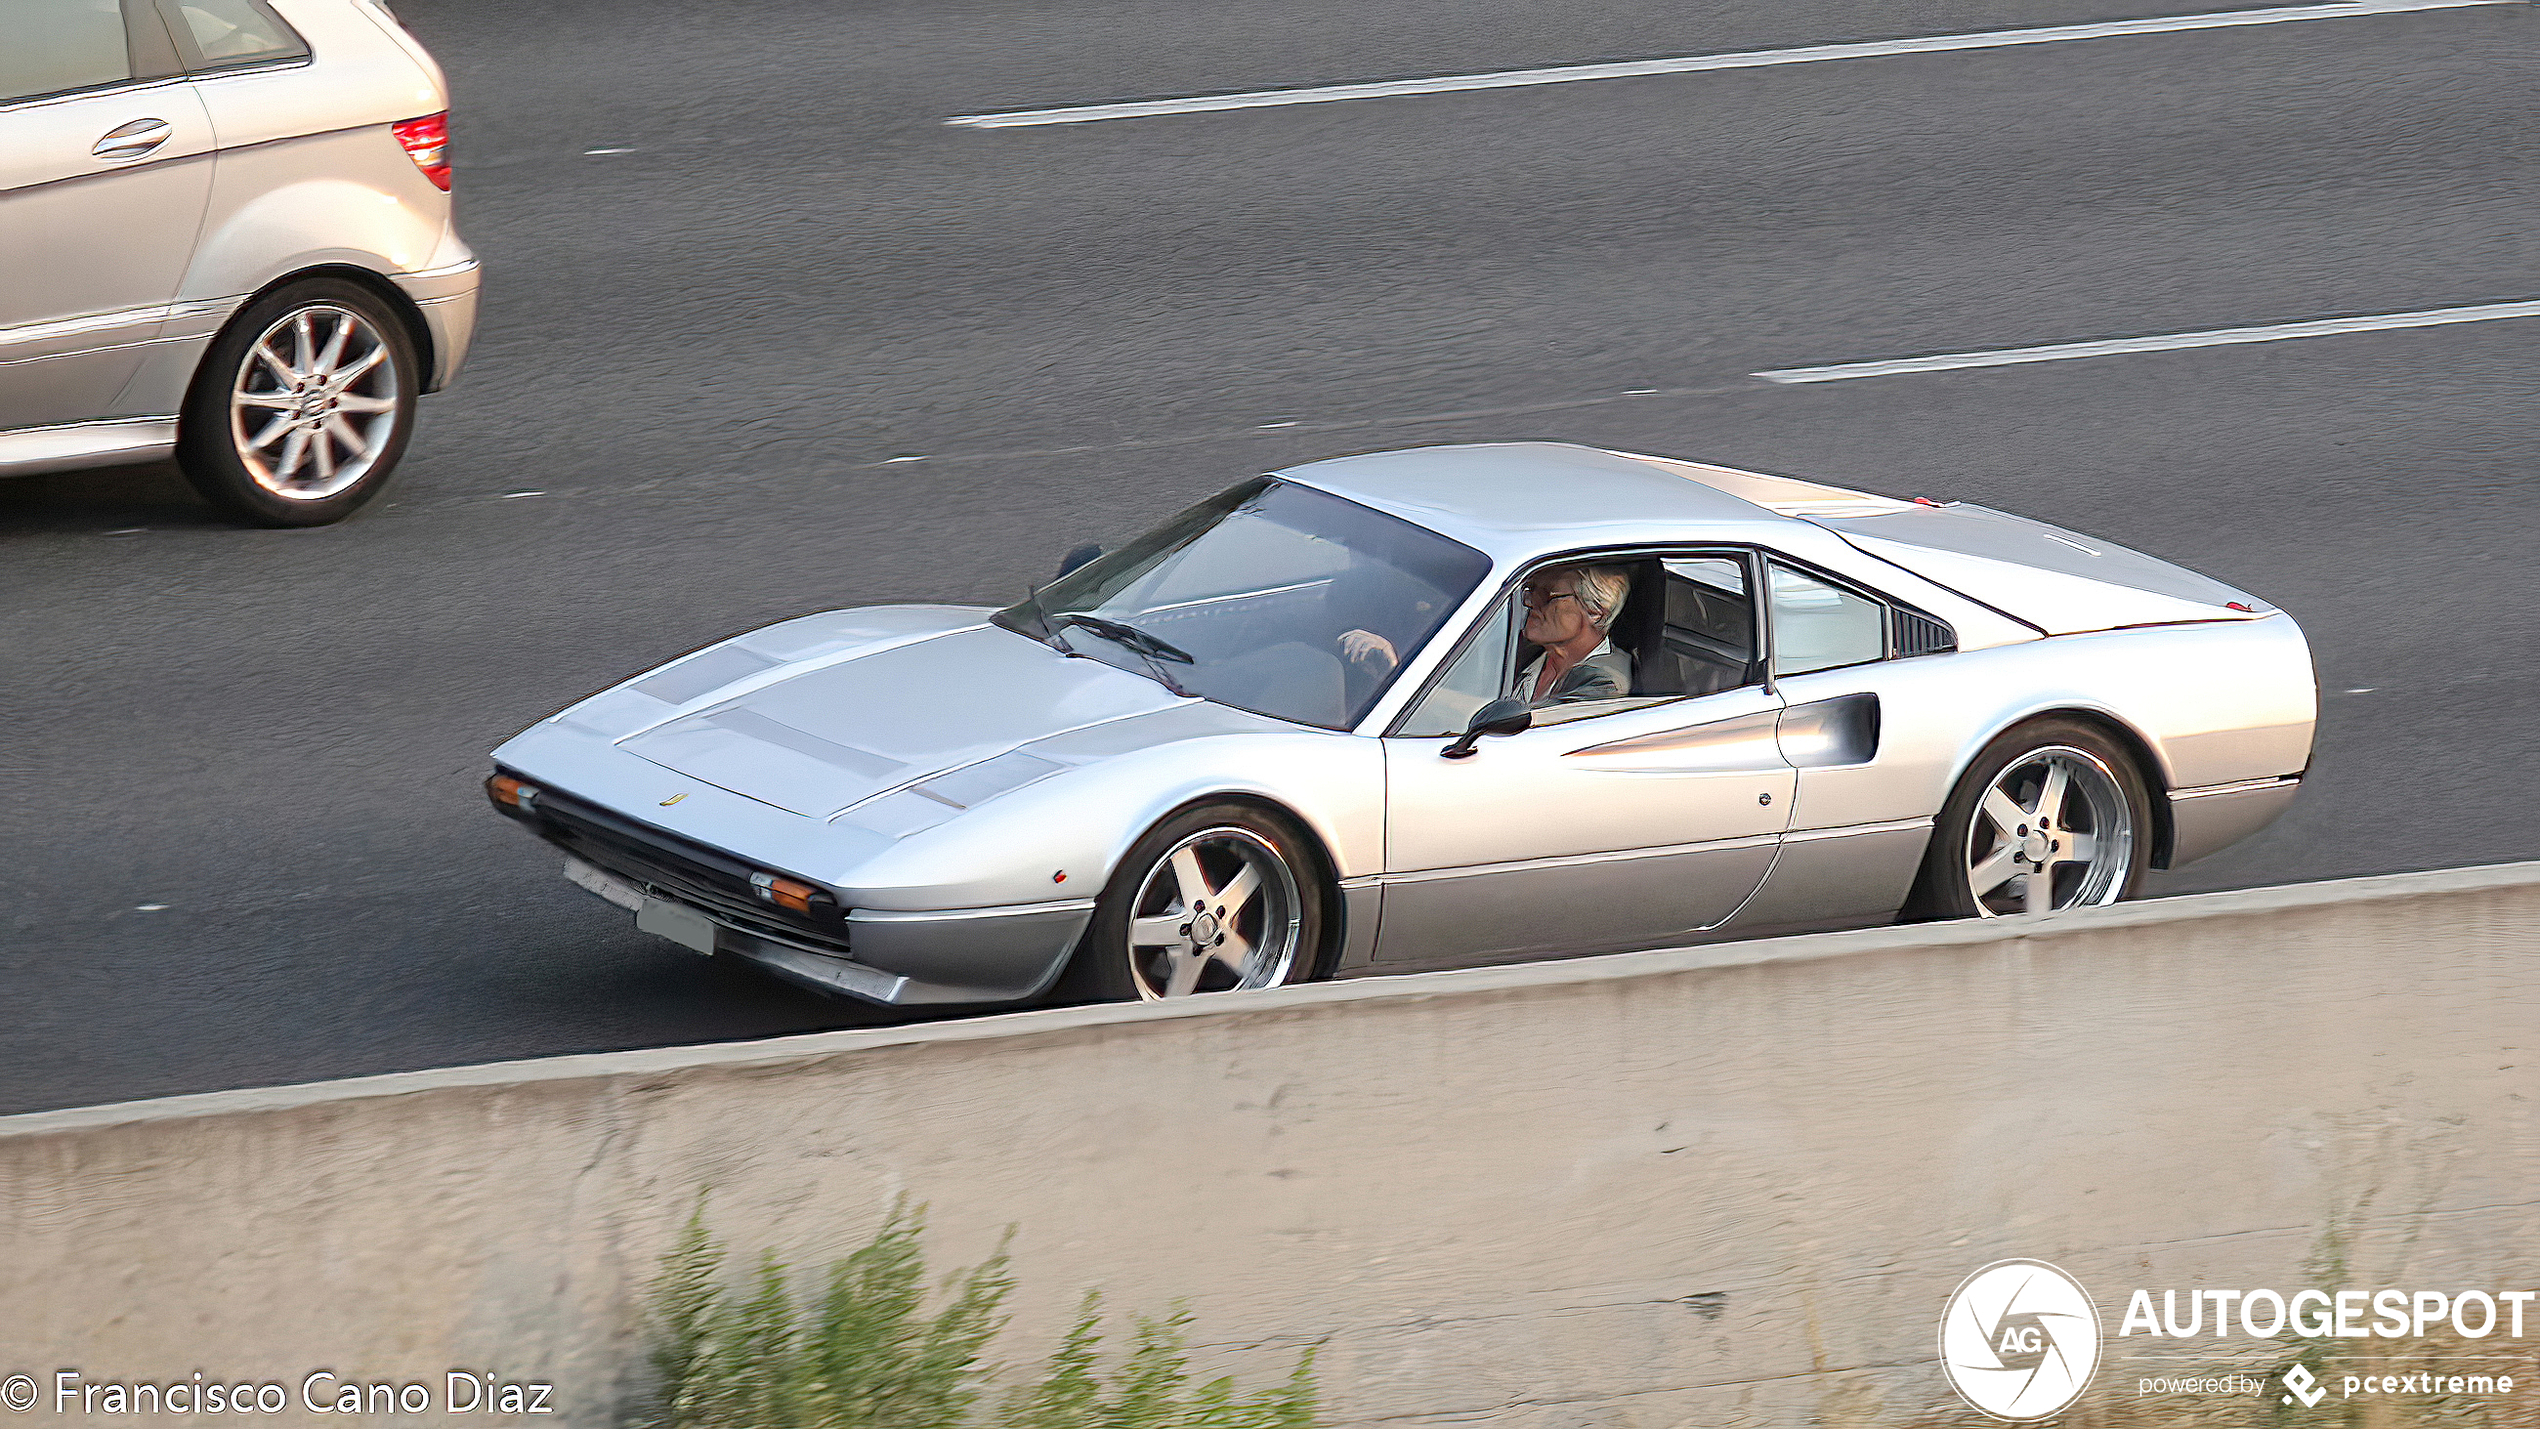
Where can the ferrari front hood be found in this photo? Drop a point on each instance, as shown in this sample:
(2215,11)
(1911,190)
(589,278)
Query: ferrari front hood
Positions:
(839,731)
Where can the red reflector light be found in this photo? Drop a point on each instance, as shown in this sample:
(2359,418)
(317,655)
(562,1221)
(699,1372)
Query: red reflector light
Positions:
(427,142)
(784,892)
(2236,605)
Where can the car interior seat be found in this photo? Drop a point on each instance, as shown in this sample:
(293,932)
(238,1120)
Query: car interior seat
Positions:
(1640,631)
(1687,637)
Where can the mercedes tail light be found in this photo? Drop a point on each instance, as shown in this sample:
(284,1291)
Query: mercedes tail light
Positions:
(427,142)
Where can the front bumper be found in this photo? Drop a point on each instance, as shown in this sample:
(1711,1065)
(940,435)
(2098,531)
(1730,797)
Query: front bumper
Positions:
(703,899)
(1022,937)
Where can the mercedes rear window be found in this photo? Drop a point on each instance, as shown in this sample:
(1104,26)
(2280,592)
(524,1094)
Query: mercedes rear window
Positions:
(233,32)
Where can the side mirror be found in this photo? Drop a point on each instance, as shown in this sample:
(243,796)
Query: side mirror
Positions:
(1080,556)
(1505,716)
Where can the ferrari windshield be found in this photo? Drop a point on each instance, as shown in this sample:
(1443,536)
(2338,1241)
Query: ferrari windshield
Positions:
(1270,597)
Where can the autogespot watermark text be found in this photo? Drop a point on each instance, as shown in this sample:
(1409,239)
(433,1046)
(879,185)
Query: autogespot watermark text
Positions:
(2338,1314)
(2020,1339)
(2320,1314)
(320,1391)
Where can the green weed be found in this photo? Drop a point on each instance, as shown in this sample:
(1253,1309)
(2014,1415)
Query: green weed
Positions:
(856,1348)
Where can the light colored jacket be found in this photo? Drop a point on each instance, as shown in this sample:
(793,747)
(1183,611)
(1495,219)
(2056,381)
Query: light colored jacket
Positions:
(1606,674)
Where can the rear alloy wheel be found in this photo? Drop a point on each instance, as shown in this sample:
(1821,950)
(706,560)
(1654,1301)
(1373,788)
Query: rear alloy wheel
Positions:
(2050,816)
(302,406)
(1221,898)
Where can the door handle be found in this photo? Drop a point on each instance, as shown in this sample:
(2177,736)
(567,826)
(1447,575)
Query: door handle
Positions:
(133,140)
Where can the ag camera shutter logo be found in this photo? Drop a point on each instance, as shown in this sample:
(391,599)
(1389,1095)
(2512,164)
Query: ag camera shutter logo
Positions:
(2019,1340)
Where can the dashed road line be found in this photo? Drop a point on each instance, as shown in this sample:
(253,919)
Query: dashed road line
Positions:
(1696,64)
(2165,342)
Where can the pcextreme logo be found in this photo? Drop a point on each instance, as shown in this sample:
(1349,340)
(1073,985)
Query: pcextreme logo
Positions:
(2019,1339)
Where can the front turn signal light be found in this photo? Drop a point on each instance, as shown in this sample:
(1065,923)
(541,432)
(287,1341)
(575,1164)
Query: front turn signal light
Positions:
(784,892)
(512,793)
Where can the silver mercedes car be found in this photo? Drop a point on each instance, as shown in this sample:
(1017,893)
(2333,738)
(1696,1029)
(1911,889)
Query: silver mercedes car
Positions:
(224,236)
(1428,708)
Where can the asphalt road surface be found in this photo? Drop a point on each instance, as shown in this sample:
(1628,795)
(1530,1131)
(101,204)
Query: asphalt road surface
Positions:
(737,264)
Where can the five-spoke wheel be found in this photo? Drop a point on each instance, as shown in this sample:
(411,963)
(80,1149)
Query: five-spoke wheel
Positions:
(1219,913)
(302,405)
(1219,898)
(2052,815)
(2054,831)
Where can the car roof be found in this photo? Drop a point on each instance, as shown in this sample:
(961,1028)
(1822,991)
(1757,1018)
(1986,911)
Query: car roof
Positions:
(1520,500)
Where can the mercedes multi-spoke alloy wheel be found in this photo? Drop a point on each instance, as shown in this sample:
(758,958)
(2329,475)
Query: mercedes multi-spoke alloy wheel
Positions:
(2050,816)
(302,406)
(1221,898)
(316,403)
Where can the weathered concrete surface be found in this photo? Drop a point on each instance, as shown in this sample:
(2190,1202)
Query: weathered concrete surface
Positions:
(1725,1186)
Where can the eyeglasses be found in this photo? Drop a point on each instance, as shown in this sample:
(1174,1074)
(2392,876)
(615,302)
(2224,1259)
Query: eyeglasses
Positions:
(1534,597)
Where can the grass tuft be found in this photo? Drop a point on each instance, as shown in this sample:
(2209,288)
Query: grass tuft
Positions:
(855,1348)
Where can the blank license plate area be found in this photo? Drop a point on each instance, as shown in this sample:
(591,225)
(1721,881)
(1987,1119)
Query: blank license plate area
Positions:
(677,922)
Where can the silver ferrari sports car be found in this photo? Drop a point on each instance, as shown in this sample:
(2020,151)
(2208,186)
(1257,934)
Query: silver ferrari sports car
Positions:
(1426,708)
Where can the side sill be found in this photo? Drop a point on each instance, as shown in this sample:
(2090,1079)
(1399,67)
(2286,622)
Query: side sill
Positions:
(73,446)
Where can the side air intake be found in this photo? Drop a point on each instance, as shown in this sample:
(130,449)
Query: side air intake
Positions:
(1920,634)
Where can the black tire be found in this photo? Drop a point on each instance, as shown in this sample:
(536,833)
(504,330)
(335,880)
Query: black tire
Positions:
(253,484)
(1225,838)
(1968,846)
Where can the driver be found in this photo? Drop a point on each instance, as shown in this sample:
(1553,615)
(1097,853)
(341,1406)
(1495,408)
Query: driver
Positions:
(1568,611)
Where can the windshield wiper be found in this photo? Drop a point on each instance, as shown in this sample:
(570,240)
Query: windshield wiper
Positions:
(1128,635)
(1147,648)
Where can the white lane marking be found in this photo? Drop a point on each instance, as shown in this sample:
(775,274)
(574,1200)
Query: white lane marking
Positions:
(1694,64)
(2167,342)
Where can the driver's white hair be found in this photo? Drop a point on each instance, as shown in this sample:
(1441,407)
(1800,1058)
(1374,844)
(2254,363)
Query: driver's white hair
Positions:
(1601,592)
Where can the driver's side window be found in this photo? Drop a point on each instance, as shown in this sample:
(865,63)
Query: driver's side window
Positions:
(1685,627)
(1478,676)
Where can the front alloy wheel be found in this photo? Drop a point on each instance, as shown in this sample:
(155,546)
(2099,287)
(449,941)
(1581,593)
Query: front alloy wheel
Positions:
(1217,898)
(1218,913)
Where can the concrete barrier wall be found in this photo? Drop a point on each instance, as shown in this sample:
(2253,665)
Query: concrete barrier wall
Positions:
(1723,1186)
